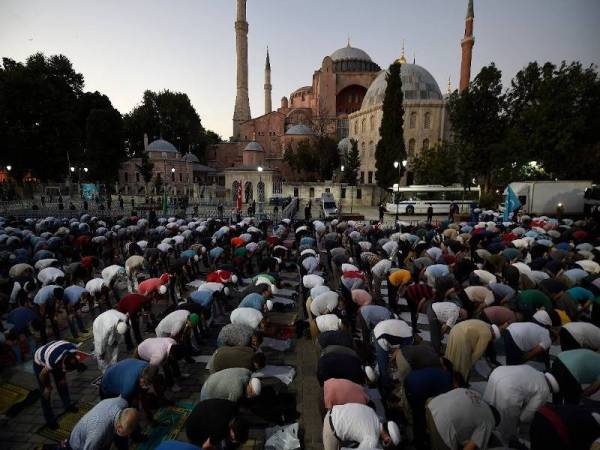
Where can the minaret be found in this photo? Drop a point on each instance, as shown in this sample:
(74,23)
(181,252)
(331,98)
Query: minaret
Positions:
(242,104)
(467,49)
(268,87)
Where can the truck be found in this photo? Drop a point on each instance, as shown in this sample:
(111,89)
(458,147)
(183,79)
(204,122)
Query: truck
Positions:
(547,197)
(328,207)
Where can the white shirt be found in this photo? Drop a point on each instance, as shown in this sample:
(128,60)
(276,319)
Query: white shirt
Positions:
(49,275)
(95,285)
(446,312)
(105,330)
(134,262)
(585,333)
(460,416)
(155,350)
(172,324)
(357,423)
(246,316)
(480,294)
(528,335)
(211,286)
(311,264)
(393,327)
(311,281)
(485,276)
(108,273)
(381,268)
(316,291)
(328,322)
(516,392)
(324,303)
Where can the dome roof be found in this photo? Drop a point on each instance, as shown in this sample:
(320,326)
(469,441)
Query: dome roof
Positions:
(253,147)
(417,84)
(345,145)
(299,129)
(191,158)
(160,145)
(348,53)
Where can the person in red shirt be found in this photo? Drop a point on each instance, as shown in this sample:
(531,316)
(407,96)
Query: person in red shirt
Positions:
(133,305)
(222,276)
(155,286)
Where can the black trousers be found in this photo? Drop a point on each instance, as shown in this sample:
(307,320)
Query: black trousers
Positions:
(570,389)
(134,321)
(567,341)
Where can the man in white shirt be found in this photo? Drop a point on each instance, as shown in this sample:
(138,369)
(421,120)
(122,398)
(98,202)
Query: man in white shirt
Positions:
(524,341)
(179,325)
(357,423)
(442,317)
(517,392)
(247,316)
(460,419)
(379,272)
(574,335)
(51,275)
(389,335)
(109,328)
(324,303)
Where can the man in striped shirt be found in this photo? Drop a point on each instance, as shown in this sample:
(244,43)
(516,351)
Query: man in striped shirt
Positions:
(55,358)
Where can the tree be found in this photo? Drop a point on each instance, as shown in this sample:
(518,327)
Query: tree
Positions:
(479,122)
(326,153)
(105,151)
(145,169)
(436,165)
(351,164)
(391,147)
(158,183)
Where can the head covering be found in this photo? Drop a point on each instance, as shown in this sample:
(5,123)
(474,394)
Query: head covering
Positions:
(543,318)
(394,432)
(256,386)
(234,279)
(496,331)
(555,387)
(162,290)
(194,319)
(121,328)
(269,305)
(370,373)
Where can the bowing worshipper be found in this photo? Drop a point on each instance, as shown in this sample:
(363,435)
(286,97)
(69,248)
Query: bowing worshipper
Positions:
(154,287)
(562,427)
(163,353)
(55,359)
(574,335)
(237,356)
(336,337)
(517,392)
(133,266)
(257,301)
(504,294)
(136,305)
(324,302)
(422,384)
(249,317)
(23,320)
(480,297)
(500,315)
(231,384)
(74,296)
(345,365)
(524,341)
(460,419)
(414,357)
(530,300)
(108,328)
(214,424)
(238,335)
(179,325)
(389,335)
(379,273)
(339,391)
(46,300)
(442,317)
(357,423)
(51,275)
(418,294)
(572,370)
(397,280)
(99,294)
(467,342)
(110,421)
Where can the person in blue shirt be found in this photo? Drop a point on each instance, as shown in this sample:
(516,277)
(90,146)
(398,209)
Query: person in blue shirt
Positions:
(257,301)
(46,300)
(74,297)
(21,319)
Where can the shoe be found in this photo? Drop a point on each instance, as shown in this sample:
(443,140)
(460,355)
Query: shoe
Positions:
(72,409)
(53,425)
(175,388)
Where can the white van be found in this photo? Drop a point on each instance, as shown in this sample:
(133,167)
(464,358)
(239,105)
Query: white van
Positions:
(328,207)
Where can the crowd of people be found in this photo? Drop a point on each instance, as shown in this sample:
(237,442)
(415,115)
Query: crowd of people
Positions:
(401,316)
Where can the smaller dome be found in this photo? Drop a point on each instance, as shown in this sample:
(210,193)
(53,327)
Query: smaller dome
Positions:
(191,158)
(160,145)
(299,129)
(349,53)
(253,147)
(345,145)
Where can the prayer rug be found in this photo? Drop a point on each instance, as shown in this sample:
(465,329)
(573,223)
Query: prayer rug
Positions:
(10,395)
(66,423)
(174,418)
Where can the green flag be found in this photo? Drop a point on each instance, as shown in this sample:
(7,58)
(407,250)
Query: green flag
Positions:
(164,203)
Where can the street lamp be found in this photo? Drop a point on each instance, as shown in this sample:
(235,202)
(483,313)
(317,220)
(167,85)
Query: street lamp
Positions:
(72,169)
(9,167)
(260,197)
(85,169)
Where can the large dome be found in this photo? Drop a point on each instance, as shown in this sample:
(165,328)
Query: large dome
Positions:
(160,145)
(417,84)
(253,146)
(350,53)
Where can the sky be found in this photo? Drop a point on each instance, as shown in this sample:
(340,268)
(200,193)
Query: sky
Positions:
(124,47)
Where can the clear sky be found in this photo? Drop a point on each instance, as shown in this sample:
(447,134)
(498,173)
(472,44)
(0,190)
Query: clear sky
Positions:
(124,47)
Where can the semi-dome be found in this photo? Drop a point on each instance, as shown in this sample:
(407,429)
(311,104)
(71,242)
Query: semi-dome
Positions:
(299,129)
(350,53)
(253,147)
(160,145)
(417,84)
(191,158)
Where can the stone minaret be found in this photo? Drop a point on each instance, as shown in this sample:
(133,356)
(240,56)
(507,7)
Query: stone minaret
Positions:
(268,87)
(242,104)
(467,49)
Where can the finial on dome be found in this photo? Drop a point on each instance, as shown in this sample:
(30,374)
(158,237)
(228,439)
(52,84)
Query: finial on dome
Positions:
(449,86)
(348,41)
(402,59)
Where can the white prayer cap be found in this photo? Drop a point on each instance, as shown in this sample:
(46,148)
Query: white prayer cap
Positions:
(552,382)
(496,331)
(121,328)
(162,290)
(256,386)
(370,373)
(394,432)
(234,278)
(269,305)
(543,317)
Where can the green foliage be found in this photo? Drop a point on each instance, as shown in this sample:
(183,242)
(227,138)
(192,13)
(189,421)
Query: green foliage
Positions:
(351,164)
(104,152)
(313,161)
(326,151)
(145,168)
(437,165)
(390,147)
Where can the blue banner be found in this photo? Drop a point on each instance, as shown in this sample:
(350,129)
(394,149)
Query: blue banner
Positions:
(89,190)
(511,204)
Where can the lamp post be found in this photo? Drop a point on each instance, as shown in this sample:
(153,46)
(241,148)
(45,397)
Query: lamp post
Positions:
(173,188)
(260,195)
(400,167)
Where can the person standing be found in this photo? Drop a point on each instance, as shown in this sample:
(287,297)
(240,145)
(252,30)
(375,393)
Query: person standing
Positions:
(429,214)
(381,212)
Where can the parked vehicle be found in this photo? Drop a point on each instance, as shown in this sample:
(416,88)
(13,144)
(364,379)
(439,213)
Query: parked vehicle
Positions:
(546,197)
(329,209)
(416,199)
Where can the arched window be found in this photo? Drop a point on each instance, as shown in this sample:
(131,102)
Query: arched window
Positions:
(411,148)
(234,189)
(427,121)
(371,150)
(260,187)
(356,127)
(372,123)
(362,150)
(363,125)
(425,144)
(248,193)
(412,121)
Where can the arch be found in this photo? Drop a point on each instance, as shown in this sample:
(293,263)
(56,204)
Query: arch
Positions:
(349,99)
(425,144)
(362,150)
(411,148)
(356,126)
(412,121)
(248,193)
(372,122)
(371,150)
(427,121)
(363,125)
(260,189)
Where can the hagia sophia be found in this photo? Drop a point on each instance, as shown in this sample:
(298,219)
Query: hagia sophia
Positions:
(343,101)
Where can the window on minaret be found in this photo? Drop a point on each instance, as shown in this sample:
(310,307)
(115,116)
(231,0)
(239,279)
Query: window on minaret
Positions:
(427,121)
(412,123)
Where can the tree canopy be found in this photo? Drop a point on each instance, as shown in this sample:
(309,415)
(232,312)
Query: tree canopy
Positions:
(351,164)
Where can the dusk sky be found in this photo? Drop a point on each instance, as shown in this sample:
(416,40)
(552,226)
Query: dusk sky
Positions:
(125,47)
